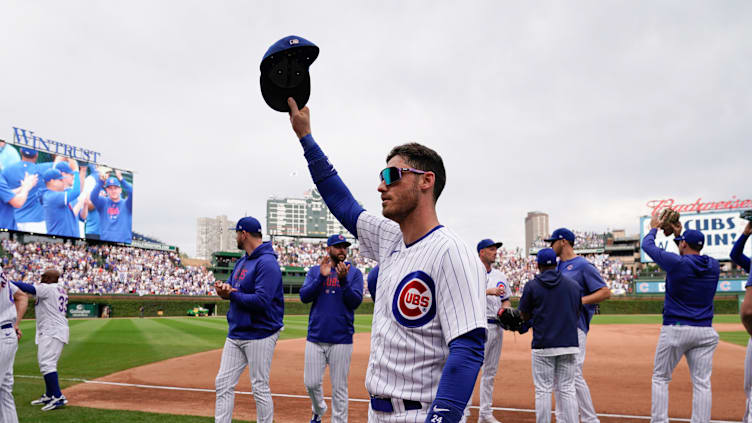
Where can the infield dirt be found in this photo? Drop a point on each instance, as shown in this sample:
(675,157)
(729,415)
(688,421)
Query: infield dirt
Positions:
(618,369)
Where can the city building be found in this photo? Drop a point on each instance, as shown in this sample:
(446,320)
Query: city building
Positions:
(536,227)
(306,217)
(214,234)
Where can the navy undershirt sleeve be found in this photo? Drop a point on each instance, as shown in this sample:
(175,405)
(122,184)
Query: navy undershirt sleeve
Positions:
(737,255)
(335,193)
(458,377)
(25,287)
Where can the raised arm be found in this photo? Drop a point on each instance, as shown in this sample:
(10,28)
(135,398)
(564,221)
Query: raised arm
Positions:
(335,193)
(737,252)
(667,260)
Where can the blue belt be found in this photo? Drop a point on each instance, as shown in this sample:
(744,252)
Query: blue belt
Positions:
(6,326)
(384,404)
(494,321)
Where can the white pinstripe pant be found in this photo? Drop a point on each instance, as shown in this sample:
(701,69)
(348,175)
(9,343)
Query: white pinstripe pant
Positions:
(584,401)
(556,370)
(257,355)
(490,367)
(337,356)
(8,348)
(748,383)
(698,345)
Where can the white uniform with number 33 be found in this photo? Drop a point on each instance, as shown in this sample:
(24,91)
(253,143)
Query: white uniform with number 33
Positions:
(52,325)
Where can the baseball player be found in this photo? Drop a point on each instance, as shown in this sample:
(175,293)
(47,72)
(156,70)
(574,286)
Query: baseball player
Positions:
(52,334)
(13,305)
(737,255)
(114,212)
(254,319)
(10,200)
(429,322)
(336,290)
(594,291)
(691,282)
(30,216)
(553,302)
(60,213)
(497,296)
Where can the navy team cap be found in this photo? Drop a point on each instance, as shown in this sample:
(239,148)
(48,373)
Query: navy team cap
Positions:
(64,167)
(27,152)
(337,239)
(561,233)
(546,256)
(112,182)
(692,237)
(284,72)
(248,224)
(485,243)
(51,174)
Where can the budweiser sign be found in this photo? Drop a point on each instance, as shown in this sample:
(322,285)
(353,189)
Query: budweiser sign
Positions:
(699,206)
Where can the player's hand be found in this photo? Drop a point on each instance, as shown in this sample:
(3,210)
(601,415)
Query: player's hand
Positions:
(118,175)
(655,221)
(748,228)
(675,229)
(495,291)
(73,163)
(300,119)
(342,270)
(29,181)
(18,330)
(325,266)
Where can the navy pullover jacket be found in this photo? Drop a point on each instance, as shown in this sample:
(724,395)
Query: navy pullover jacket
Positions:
(256,309)
(691,281)
(554,301)
(332,312)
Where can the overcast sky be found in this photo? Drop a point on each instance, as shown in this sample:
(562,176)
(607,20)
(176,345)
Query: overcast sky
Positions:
(584,110)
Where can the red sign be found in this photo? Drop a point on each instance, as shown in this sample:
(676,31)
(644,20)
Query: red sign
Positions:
(699,206)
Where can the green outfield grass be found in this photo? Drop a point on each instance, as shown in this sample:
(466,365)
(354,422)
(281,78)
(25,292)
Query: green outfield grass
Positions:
(99,347)
(736,337)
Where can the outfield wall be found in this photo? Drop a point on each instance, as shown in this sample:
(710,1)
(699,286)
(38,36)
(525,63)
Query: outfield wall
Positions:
(128,306)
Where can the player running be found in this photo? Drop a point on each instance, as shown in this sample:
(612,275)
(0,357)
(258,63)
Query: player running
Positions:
(738,257)
(336,290)
(429,322)
(691,282)
(13,305)
(594,291)
(497,296)
(52,334)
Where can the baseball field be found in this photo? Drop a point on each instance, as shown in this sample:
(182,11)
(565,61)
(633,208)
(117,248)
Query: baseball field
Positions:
(142,370)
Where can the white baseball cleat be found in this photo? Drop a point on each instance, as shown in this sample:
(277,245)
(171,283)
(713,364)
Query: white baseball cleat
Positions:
(55,403)
(43,400)
(487,419)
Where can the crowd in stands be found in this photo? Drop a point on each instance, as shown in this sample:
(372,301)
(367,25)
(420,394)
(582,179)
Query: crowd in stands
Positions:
(106,269)
(583,240)
(291,252)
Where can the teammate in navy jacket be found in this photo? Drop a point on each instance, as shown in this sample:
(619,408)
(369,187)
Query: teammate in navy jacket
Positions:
(737,255)
(255,319)
(594,291)
(691,282)
(553,302)
(336,290)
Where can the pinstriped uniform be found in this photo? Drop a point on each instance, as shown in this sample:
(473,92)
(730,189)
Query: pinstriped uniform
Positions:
(494,340)
(8,348)
(555,371)
(257,355)
(748,383)
(698,345)
(317,356)
(427,294)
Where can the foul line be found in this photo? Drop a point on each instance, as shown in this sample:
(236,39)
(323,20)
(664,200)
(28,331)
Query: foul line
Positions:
(178,388)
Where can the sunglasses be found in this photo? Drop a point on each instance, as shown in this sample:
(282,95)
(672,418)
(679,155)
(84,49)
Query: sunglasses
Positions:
(393,174)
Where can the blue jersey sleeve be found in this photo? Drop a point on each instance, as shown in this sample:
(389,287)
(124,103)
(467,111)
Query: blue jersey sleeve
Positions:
(593,279)
(313,285)
(25,287)
(268,275)
(5,193)
(94,197)
(667,260)
(352,292)
(458,377)
(128,188)
(737,253)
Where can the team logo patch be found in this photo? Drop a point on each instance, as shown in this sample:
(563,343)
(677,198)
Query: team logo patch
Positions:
(570,267)
(414,302)
(502,285)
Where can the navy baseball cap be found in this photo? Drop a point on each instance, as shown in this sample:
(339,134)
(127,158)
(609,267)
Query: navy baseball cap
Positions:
(485,243)
(561,233)
(27,152)
(248,224)
(63,167)
(112,182)
(693,237)
(546,256)
(51,174)
(284,72)
(337,240)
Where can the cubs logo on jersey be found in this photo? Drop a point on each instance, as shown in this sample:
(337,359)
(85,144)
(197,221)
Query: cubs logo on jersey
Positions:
(502,285)
(414,302)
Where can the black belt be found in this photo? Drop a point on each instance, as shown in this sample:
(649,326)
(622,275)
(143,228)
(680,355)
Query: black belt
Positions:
(6,326)
(384,404)
(494,321)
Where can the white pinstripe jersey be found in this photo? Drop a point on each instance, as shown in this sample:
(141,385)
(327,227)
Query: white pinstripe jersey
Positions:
(496,279)
(50,309)
(427,294)
(8,312)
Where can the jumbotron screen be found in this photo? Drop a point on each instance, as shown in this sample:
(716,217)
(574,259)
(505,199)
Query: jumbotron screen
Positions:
(43,193)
